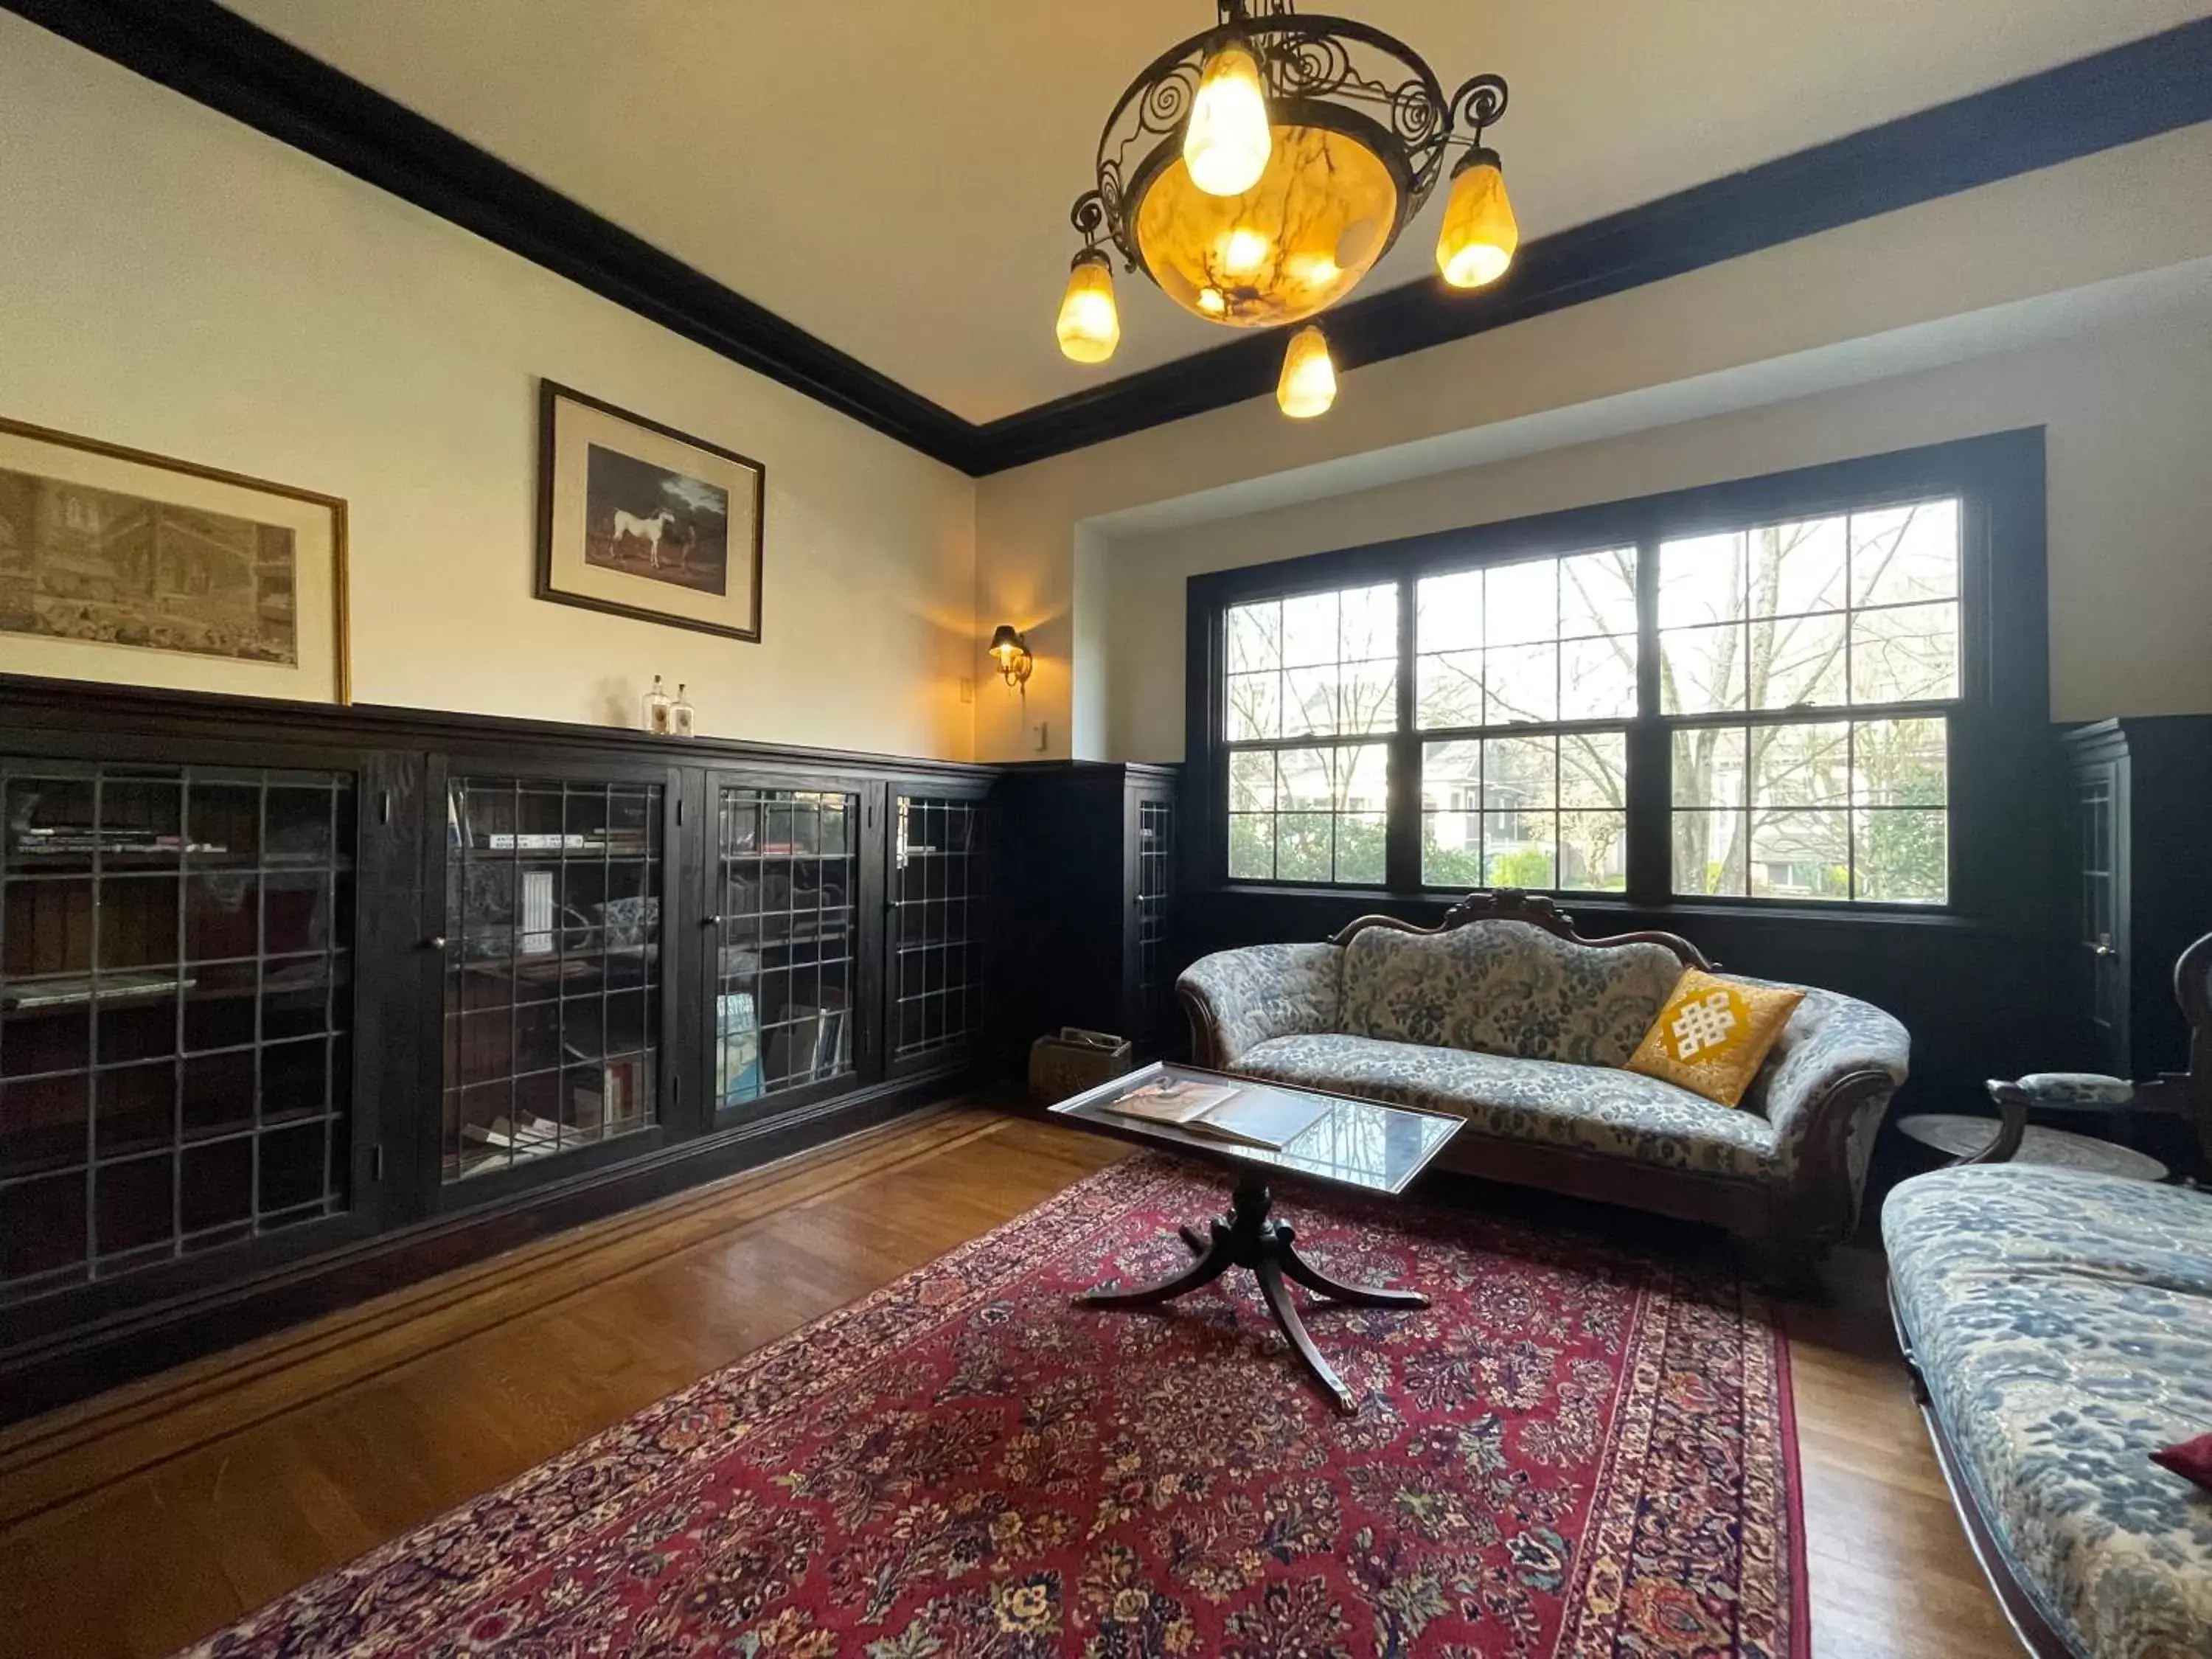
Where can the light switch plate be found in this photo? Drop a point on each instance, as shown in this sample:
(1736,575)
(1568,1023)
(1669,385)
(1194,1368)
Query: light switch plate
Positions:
(1037,736)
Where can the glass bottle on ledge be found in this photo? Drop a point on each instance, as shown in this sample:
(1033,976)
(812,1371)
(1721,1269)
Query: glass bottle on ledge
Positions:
(681,716)
(660,712)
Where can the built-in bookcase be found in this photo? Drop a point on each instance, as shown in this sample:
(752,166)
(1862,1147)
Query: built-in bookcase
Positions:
(1154,1001)
(937,914)
(313,999)
(553,968)
(175,1001)
(785,938)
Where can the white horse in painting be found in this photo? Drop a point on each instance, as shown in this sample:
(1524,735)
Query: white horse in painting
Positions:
(648,531)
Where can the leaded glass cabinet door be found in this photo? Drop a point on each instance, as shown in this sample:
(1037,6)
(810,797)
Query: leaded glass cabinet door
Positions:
(783,945)
(1153,850)
(935,901)
(555,981)
(176,1012)
(2101,949)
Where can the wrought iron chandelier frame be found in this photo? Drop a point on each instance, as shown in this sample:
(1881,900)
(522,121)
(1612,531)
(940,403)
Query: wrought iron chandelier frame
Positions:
(1334,73)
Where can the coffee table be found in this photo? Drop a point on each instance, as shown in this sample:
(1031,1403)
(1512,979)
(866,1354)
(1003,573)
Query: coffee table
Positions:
(1360,1144)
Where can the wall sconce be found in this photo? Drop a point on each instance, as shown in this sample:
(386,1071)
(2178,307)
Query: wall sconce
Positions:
(1012,652)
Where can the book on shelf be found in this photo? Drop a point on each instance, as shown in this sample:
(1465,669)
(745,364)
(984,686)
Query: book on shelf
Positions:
(82,838)
(522,1135)
(75,990)
(1222,1111)
(811,1043)
(620,843)
(536,913)
(737,1048)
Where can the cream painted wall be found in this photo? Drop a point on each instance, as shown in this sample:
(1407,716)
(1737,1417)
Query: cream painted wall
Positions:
(2141,208)
(175,281)
(2128,411)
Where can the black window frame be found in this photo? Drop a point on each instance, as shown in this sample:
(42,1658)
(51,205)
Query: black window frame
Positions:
(1998,723)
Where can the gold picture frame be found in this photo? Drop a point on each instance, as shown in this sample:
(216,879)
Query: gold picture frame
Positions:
(134,569)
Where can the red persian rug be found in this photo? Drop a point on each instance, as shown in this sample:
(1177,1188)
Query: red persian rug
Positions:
(1573,1451)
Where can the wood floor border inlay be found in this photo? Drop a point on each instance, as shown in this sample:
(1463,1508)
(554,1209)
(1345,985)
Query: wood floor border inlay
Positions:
(70,1454)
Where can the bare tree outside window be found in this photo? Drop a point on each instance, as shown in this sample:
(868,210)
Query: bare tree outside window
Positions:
(1534,643)
(1316,666)
(1855,611)
(1801,679)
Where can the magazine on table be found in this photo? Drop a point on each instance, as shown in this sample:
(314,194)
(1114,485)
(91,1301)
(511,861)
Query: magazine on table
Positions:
(1264,1119)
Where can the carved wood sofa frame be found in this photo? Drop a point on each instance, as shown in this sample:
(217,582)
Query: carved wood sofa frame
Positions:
(1791,1226)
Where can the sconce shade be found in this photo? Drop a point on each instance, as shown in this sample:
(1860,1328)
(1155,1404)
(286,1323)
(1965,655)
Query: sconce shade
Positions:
(1011,652)
(1480,234)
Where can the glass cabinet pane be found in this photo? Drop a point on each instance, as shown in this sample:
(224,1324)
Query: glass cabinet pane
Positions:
(1155,886)
(785,966)
(175,992)
(553,968)
(936,926)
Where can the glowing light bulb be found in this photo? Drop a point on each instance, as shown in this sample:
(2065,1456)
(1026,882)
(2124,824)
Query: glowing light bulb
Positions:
(1226,143)
(1309,383)
(1479,233)
(1089,324)
(1211,302)
(1243,252)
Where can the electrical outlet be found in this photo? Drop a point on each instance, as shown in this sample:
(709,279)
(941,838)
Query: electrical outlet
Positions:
(1037,737)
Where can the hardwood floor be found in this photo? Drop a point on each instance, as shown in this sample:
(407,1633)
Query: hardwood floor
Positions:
(134,1523)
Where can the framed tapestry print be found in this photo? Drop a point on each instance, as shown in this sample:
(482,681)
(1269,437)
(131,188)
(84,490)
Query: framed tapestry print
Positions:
(640,519)
(136,569)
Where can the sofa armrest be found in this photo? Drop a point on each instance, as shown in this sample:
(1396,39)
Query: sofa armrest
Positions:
(1237,998)
(1824,1088)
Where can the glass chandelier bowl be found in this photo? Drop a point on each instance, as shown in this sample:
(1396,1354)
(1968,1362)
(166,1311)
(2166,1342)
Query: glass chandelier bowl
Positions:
(1293,245)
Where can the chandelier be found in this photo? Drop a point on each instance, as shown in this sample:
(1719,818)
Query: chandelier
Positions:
(1257,172)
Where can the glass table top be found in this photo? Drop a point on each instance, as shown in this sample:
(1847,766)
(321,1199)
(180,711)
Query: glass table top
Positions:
(1354,1143)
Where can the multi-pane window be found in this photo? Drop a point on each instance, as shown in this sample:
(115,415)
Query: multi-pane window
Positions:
(1311,696)
(1813,810)
(1503,650)
(1757,706)
(1850,612)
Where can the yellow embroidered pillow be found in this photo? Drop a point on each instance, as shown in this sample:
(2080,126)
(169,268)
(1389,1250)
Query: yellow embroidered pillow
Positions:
(1713,1033)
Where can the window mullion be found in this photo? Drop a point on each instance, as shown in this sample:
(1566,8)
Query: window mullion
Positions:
(1650,813)
(1401,843)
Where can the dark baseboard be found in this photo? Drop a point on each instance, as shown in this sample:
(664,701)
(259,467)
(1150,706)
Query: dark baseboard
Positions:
(86,1361)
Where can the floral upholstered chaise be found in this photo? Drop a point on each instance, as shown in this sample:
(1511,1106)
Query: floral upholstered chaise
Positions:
(1505,1016)
(2059,1324)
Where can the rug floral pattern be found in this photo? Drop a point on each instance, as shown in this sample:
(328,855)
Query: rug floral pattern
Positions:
(1574,1452)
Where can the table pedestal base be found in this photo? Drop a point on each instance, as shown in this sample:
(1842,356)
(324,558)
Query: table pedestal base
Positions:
(1246,1237)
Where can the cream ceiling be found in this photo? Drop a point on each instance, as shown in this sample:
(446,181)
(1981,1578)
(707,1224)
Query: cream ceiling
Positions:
(894,175)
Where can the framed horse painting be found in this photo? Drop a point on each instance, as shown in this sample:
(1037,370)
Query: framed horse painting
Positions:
(639,520)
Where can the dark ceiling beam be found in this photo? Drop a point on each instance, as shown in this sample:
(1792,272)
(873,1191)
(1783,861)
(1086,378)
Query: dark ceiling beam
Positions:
(2136,91)
(221,60)
(2131,92)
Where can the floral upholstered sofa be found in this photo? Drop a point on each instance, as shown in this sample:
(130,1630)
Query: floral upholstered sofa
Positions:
(1508,1017)
(2059,1326)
